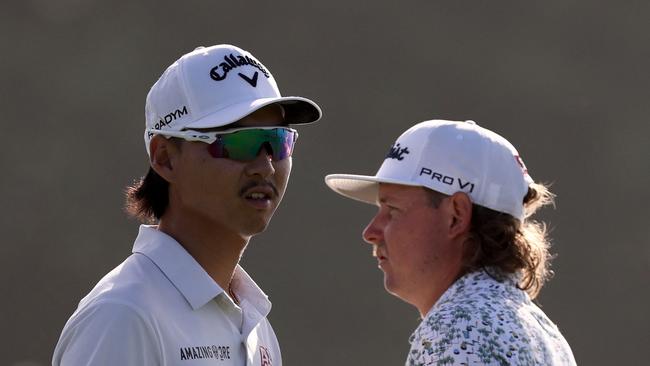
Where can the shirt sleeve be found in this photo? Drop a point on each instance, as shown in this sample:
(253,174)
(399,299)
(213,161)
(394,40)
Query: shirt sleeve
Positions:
(107,334)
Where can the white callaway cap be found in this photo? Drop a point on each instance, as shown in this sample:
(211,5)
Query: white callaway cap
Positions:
(448,157)
(215,86)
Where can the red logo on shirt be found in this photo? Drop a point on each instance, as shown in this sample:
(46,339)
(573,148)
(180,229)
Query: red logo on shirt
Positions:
(265,356)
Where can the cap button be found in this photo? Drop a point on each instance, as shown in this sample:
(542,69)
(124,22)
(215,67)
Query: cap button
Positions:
(470,122)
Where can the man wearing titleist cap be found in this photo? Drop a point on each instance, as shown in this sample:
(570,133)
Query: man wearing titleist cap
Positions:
(218,137)
(454,238)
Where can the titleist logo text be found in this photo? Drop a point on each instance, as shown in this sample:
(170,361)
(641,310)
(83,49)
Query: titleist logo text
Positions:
(397,152)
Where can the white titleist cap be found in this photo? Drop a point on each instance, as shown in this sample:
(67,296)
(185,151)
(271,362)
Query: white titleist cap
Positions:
(215,86)
(448,157)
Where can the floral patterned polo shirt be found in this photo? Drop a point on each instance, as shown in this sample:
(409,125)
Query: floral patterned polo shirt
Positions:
(481,320)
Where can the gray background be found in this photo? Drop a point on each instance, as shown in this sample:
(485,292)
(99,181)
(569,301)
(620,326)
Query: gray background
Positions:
(566,81)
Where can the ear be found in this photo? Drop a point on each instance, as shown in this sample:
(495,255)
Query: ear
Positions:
(460,211)
(163,157)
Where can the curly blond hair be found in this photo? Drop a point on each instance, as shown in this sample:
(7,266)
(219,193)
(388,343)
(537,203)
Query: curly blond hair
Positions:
(500,243)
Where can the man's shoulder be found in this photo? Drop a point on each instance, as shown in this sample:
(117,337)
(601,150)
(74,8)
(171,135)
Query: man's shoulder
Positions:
(126,296)
(485,320)
(136,282)
(104,329)
(475,300)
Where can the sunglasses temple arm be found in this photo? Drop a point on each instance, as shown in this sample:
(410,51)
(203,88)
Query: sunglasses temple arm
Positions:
(186,135)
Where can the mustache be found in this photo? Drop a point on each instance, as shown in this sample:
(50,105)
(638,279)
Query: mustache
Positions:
(254,184)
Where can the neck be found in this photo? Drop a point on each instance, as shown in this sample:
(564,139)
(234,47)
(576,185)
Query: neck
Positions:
(216,249)
(425,303)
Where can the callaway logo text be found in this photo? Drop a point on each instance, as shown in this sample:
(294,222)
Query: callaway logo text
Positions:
(231,61)
(464,186)
(397,152)
(169,118)
(220,353)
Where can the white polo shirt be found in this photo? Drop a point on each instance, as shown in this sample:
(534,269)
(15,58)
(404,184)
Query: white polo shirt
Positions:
(159,307)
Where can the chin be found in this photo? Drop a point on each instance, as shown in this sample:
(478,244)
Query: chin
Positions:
(254,228)
(390,285)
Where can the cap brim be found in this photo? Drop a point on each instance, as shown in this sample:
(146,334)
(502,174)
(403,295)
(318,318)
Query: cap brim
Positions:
(362,188)
(298,110)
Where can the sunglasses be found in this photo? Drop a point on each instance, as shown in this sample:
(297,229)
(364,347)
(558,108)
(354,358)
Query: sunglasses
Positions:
(244,143)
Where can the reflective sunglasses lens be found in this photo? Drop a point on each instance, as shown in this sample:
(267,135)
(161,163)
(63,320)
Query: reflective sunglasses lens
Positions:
(245,145)
(282,145)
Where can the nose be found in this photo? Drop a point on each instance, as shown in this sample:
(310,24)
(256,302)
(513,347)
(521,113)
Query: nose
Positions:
(262,165)
(374,233)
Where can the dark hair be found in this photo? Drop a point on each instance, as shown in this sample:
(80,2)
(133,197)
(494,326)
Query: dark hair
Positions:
(147,198)
(500,241)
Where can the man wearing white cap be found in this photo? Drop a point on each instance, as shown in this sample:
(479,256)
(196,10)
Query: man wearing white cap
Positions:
(220,150)
(454,238)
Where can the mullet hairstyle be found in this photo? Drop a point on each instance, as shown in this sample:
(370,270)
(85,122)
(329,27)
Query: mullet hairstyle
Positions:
(500,241)
(147,198)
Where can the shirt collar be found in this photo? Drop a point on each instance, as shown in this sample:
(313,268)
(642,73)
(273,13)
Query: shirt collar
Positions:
(475,281)
(182,270)
(247,290)
(187,275)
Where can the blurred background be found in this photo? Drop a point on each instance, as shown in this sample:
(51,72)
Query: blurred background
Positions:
(566,81)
